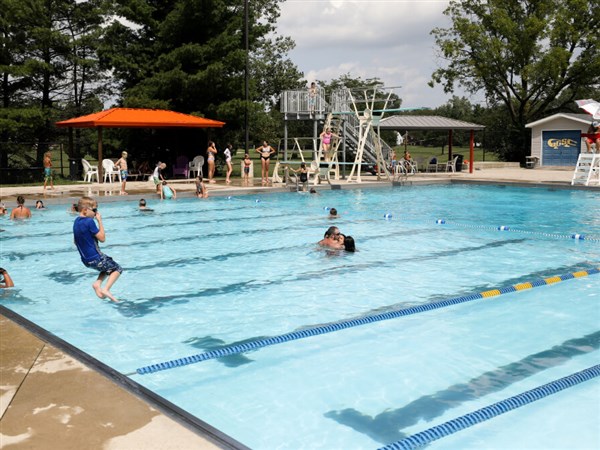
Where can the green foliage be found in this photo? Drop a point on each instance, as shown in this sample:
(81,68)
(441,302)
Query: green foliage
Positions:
(48,64)
(189,56)
(533,58)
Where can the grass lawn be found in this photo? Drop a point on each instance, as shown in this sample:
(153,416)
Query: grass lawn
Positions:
(426,153)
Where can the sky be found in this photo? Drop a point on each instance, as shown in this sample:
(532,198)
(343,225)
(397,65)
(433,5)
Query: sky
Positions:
(387,39)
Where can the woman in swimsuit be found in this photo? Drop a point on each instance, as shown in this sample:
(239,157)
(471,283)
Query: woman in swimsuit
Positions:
(227,153)
(211,153)
(302,174)
(265,157)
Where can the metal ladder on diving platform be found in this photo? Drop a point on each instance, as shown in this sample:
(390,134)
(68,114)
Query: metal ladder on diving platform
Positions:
(587,170)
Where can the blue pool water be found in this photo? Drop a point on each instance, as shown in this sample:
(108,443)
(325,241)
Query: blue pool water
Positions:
(200,275)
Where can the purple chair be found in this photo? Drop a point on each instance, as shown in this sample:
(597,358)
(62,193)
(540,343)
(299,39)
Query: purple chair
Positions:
(181,166)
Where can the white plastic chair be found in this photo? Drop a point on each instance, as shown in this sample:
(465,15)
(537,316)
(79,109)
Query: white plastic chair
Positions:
(411,167)
(109,169)
(196,166)
(318,172)
(89,171)
(451,165)
(432,166)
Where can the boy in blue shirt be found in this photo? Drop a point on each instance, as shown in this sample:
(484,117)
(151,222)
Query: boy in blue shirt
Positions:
(87,234)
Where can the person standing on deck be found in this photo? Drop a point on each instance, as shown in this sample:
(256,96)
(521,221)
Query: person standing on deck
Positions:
(121,164)
(48,170)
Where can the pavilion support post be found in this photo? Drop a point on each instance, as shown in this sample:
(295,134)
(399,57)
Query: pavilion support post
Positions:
(70,150)
(471,150)
(449,145)
(99,153)
(71,142)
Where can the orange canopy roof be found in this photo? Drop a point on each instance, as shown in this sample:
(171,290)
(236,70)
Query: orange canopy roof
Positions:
(139,118)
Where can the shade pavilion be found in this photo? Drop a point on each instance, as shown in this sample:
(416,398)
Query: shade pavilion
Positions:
(428,123)
(134,118)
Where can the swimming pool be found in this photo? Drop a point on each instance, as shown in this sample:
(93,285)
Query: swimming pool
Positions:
(201,275)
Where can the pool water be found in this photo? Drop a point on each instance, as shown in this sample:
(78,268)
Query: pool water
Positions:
(203,274)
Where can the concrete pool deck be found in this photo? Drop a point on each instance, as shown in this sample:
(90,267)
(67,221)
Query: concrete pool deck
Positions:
(185,188)
(50,398)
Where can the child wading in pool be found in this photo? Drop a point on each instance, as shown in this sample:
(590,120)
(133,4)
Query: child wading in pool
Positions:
(201,191)
(87,234)
(167,192)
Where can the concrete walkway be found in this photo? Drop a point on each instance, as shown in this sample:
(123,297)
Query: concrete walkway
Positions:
(51,400)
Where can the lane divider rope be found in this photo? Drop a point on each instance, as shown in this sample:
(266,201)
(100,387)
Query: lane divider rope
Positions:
(481,415)
(575,236)
(350,323)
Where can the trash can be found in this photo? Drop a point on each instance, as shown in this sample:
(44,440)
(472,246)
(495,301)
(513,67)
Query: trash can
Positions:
(459,162)
(530,162)
(74,169)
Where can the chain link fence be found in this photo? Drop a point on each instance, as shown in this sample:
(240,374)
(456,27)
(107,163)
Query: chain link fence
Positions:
(20,163)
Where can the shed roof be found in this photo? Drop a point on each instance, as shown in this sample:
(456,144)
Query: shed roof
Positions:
(139,118)
(426,123)
(581,118)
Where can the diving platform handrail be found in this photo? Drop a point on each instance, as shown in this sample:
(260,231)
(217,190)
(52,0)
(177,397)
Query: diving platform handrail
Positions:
(419,108)
(302,101)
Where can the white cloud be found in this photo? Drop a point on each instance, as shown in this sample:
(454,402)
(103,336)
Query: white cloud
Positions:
(389,40)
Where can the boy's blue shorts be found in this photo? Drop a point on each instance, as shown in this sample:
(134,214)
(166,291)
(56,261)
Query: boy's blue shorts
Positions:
(104,264)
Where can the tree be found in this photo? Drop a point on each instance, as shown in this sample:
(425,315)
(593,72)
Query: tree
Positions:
(532,57)
(49,66)
(189,56)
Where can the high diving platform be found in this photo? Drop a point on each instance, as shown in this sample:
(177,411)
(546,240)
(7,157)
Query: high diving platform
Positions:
(346,138)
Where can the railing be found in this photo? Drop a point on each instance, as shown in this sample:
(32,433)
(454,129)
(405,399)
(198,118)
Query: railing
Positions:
(304,102)
(19,166)
(340,101)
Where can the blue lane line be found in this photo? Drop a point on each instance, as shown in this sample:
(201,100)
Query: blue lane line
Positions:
(575,236)
(342,325)
(473,418)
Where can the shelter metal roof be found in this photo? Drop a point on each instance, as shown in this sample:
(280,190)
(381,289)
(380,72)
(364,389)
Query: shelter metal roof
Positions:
(139,118)
(426,123)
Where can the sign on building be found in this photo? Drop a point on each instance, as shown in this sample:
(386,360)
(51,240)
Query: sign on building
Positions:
(560,148)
